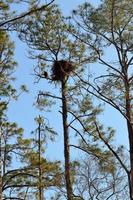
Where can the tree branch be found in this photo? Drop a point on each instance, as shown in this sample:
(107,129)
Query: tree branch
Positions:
(26,14)
(111,149)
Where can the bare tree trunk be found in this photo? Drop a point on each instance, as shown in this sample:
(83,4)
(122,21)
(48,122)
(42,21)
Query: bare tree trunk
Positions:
(130,135)
(66,141)
(39,159)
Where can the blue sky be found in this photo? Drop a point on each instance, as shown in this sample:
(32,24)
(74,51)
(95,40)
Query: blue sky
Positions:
(23,111)
(68,5)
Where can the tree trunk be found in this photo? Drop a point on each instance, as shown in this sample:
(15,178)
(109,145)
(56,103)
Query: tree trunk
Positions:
(0,169)
(0,187)
(130,133)
(39,159)
(66,142)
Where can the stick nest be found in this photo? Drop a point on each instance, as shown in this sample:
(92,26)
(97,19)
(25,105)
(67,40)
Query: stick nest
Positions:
(61,69)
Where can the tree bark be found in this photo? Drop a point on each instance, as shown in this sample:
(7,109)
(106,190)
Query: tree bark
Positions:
(0,168)
(39,159)
(130,134)
(66,141)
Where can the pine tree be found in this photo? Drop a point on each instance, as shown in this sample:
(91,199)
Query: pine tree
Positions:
(7,66)
(48,34)
(9,131)
(51,39)
(42,173)
(106,29)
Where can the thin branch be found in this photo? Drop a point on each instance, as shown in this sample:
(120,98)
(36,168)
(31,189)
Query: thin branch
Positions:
(18,170)
(49,95)
(80,116)
(80,135)
(77,118)
(101,96)
(111,149)
(19,186)
(26,14)
(84,150)
(13,198)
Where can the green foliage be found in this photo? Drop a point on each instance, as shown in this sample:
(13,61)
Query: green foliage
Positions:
(7,66)
(46,173)
(51,38)
(109,29)
(49,34)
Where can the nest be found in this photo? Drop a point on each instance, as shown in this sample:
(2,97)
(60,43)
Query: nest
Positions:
(61,69)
